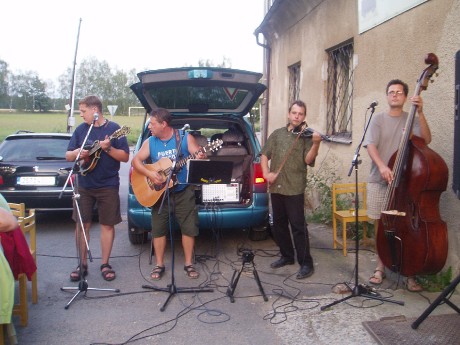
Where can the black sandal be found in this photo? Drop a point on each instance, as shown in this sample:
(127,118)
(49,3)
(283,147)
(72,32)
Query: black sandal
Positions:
(107,272)
(191,272)
(75,275)
(157,272)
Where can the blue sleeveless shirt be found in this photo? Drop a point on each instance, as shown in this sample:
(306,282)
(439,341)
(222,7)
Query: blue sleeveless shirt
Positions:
(160,149)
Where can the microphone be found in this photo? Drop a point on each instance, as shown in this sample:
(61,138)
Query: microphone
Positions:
(373,104)
(96,117)
(186,126)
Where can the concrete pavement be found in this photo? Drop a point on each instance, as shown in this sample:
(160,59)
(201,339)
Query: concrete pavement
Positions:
(292,314)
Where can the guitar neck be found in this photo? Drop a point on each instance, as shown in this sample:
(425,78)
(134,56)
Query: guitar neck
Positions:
(183,161)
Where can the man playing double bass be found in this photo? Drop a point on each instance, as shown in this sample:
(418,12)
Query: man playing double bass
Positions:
(382,141)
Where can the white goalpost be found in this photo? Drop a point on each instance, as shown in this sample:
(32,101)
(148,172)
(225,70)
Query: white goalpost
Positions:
(136,111)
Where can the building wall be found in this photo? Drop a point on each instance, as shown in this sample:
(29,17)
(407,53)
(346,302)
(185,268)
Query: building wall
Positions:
(302,31)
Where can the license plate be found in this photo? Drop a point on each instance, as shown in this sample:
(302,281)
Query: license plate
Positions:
(36,181)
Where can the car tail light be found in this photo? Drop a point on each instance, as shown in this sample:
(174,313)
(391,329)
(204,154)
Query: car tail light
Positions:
(258,175)
(1,180)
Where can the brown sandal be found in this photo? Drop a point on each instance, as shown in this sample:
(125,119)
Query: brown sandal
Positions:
(375,279)
(191,272)
(75,275)
(157,272)
(109,273)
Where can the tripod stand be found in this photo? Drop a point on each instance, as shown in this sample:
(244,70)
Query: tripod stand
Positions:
(83,284)
(359,290)
(171,288)
(248,260)
(441,298)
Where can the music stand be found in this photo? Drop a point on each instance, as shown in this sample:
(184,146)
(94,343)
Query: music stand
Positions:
(201,171)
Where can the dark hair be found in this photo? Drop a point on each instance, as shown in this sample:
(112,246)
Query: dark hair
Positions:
(92,101)
(399,82)
(299,103)
(161,114)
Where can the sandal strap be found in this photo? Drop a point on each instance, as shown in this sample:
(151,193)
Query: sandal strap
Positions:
(106,266)
(158,269)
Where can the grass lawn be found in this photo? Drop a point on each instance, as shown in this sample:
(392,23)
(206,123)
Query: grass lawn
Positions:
(57,122)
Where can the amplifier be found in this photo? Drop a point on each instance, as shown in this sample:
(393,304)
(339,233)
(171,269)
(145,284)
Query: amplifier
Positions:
(220,192)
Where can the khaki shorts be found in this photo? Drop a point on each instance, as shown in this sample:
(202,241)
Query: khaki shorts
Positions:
(185,212)
(375,198)
(108,205)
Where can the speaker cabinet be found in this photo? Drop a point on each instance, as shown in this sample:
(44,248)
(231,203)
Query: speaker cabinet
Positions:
(456,173)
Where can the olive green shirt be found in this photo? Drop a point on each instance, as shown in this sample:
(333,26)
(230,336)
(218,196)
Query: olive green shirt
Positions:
(292,179)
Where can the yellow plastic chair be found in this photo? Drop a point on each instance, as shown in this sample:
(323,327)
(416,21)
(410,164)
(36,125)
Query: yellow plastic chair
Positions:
(18,210)
(20,309)
(347,191)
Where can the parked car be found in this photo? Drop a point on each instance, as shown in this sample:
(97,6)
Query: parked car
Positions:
(215,103)
(33,170)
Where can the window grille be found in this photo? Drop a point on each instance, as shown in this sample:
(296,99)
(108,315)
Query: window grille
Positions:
(294,82)
(340,90)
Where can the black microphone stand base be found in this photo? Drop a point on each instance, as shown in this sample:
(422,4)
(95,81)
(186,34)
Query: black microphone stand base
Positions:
(172,290)
(362,291)
(83,287)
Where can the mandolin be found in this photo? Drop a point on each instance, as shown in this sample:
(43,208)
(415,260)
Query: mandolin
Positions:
(87,165)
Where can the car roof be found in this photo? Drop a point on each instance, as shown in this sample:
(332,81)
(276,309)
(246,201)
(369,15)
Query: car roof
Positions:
(199,90)
(27,134)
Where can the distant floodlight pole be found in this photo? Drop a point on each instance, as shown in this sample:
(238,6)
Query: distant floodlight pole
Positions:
(70,117)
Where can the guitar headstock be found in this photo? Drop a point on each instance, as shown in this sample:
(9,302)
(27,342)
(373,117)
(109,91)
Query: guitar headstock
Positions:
(121,132)
(214,145)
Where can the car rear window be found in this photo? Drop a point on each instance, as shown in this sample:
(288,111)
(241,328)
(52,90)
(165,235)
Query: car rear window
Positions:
(33,148)
(197,99)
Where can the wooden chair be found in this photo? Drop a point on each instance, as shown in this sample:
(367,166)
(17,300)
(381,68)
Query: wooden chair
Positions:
(28,227)
(18,210)
(344,194)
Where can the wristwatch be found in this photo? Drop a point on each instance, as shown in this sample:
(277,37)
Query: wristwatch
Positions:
(109,149)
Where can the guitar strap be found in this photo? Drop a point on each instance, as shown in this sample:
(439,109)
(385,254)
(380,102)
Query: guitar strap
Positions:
(178,148)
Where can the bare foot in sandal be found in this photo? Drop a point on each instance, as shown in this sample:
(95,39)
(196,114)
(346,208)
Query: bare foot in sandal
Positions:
(377,277)
(157,272)
(412,285)
(191,272)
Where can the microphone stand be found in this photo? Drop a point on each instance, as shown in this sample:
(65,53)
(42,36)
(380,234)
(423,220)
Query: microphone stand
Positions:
(360,290)
(171,288)
(83,284)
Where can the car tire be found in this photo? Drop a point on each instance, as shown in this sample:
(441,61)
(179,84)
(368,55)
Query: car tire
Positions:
(137,235)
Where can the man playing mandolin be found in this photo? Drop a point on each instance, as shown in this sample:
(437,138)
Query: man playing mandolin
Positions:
(100,183)
(162,144)
(382,140)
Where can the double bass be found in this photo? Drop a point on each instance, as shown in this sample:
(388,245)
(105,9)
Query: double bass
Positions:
(412,237)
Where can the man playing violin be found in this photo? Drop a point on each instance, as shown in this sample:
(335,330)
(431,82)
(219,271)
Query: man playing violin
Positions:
(382,140)
(289,155)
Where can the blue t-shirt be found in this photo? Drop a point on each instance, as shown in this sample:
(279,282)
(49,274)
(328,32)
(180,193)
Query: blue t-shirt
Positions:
(160,149)
(105,173)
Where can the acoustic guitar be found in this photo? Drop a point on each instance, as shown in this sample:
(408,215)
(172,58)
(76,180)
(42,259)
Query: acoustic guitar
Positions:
(148,193)
(87,165)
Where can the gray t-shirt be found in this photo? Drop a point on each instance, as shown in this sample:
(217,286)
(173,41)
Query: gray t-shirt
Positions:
(385,132)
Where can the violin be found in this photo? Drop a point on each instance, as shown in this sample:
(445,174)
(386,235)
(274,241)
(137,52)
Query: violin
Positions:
(306,132)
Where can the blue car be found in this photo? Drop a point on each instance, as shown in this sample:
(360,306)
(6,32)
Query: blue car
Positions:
(214,104)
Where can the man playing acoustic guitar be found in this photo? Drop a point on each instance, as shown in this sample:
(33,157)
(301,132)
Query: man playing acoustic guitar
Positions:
(164,143)
(100,183)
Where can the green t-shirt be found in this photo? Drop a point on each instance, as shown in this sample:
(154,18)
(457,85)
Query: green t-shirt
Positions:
(292,179)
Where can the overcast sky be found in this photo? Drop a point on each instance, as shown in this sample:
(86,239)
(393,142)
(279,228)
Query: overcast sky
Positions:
(41,35)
